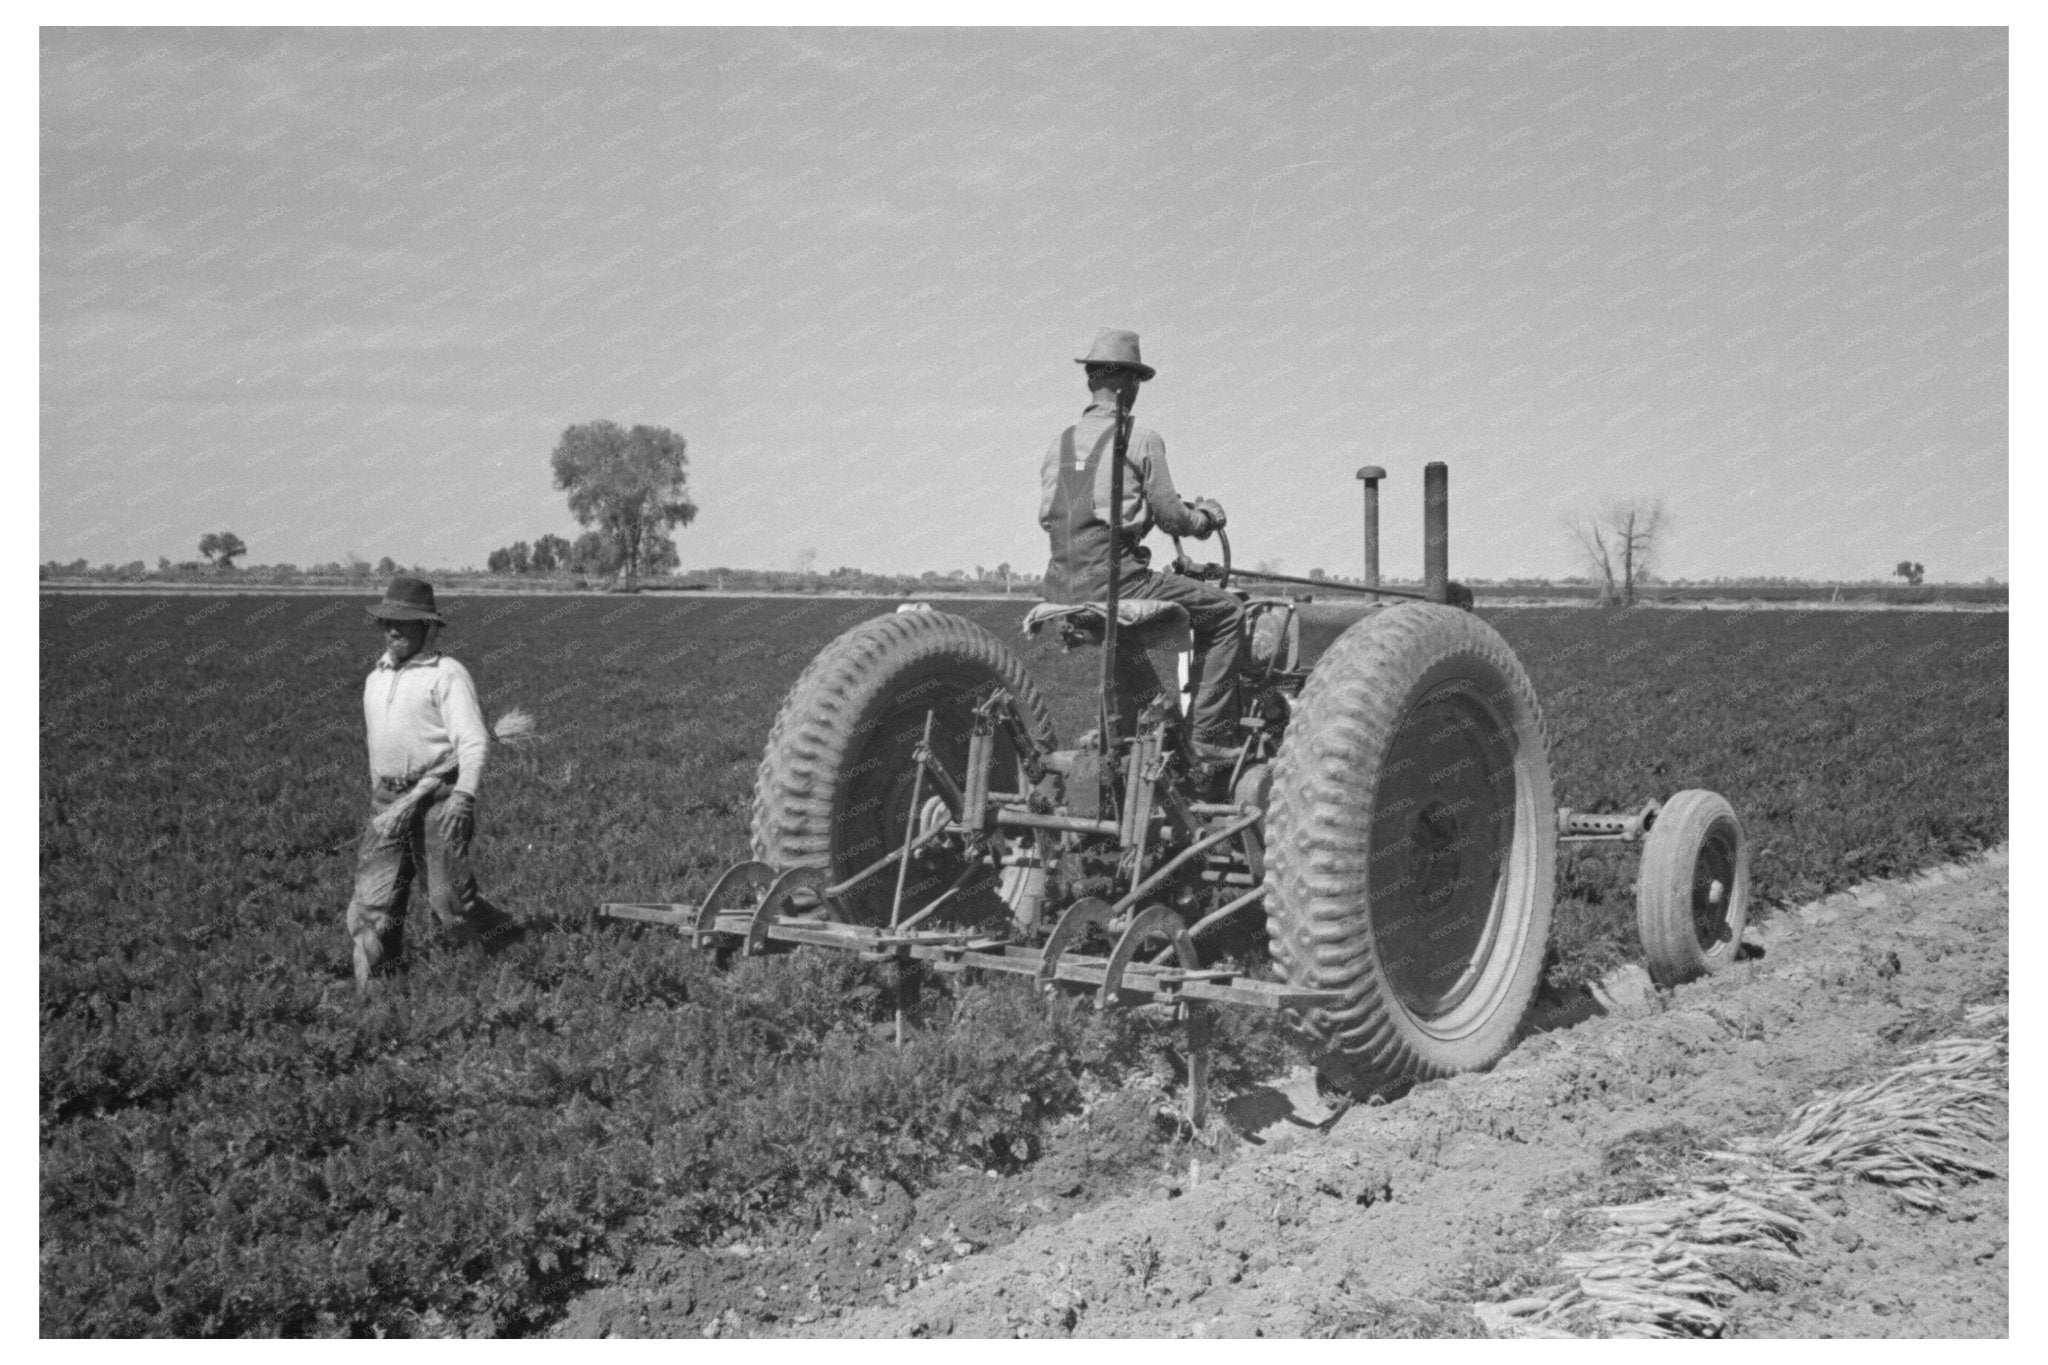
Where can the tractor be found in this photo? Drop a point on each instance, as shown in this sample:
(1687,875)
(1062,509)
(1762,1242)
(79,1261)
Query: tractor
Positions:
(1388,811)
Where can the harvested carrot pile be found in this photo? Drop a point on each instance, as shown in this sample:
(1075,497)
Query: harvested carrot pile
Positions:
(1669,1267)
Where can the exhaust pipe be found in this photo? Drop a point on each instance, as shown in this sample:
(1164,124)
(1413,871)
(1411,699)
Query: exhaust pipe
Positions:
(1436,530)
(1370,476)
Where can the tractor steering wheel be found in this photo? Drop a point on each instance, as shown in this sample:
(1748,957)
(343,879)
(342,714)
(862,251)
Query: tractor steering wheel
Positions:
(1183,564)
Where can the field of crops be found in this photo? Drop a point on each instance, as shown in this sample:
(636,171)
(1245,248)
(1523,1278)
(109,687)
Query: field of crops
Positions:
(232,1144)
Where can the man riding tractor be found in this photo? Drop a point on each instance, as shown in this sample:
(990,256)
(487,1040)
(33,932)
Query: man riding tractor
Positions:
(1074,498)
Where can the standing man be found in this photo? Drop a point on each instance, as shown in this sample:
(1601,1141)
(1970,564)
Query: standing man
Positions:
(1073,504)
(425,727)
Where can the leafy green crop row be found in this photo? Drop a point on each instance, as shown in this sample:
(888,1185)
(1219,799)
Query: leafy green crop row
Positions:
(231,1144)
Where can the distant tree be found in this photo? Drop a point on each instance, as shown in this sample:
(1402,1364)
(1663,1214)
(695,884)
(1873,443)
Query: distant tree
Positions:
(625,483)
(163,563)
(1618,541)
(221,548)
(136,569)
(499,561)
(593,553)
(1911,572)
(386,567)
(550,552)
(658,553)
(522,556)
(1317,574)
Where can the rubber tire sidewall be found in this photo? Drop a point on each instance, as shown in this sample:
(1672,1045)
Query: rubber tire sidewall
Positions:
(799,814)
(1664,924)
(1319,839)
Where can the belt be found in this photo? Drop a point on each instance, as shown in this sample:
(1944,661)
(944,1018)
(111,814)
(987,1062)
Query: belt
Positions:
(398,786)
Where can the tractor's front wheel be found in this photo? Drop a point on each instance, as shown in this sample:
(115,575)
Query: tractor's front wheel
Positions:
(838,777)
(1411,846)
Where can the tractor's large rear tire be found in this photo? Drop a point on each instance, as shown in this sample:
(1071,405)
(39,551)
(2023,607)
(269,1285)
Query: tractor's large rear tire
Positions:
(1411,846)
(837,777)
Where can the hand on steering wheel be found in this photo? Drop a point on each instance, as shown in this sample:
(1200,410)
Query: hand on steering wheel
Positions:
(1219,572)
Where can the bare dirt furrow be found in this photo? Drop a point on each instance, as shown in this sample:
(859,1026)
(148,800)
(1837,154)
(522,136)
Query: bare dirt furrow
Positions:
(1400,1218)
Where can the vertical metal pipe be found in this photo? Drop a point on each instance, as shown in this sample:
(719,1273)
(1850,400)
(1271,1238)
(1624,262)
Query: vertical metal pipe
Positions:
(1436,530)
(1111,707)
(1370,476)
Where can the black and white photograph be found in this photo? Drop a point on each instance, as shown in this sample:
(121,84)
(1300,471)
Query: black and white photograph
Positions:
(1005,677)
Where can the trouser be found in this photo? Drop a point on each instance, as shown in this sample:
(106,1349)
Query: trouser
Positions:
(1217,619)
(386,871)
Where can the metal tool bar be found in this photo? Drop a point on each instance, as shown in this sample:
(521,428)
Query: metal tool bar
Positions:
(1160,983)
(661,912)
(1580,827)
(885,861)
(1015,818)
(1333,585)
(982,953)
(1167,869)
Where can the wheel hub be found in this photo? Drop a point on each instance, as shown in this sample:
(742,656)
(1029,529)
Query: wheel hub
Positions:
(1442,824)
(1713,871)
(1433,853)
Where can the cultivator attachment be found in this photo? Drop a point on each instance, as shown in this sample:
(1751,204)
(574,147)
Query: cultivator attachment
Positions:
(1119,977)
(754,911)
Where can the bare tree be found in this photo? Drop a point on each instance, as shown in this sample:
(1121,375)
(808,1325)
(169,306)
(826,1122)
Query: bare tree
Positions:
(1619,542)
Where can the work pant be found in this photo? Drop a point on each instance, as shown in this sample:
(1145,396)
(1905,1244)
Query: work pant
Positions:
(1218,622)
(386,871)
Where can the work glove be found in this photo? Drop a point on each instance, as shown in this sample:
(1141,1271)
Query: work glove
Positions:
(456,820)
(1212,513)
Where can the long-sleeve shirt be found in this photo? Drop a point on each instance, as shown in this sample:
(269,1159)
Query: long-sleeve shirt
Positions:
(418,713)
(1074,487)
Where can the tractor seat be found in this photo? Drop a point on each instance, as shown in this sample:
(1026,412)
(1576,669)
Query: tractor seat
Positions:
(1081,623)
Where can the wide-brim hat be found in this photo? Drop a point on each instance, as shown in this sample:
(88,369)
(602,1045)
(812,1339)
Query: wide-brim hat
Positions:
(1114,346)
(407,599)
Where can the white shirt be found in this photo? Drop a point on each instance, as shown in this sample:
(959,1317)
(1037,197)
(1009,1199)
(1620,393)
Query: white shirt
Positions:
(420,712)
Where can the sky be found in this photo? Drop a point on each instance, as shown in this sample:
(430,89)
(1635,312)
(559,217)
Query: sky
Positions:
(340,292)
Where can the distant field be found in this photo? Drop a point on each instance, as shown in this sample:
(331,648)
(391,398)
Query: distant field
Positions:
(1866,594)
(230,1144)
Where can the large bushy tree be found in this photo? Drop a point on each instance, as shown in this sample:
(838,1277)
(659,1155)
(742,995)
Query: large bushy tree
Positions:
(628,485)
(222,548)
(593,553)
(550,552)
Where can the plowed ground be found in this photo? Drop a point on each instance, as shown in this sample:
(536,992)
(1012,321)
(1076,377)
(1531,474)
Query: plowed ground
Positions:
(1419,1216)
